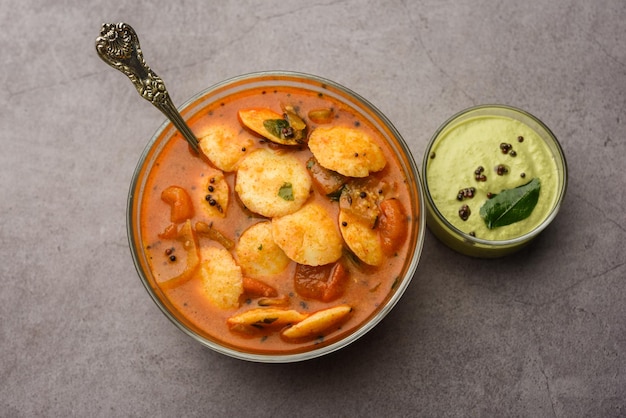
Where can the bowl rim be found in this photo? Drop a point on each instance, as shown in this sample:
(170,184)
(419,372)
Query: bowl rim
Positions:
(487,244)
(411,170)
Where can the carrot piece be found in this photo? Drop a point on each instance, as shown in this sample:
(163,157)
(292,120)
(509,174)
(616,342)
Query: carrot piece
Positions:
(392,225)
(254,287)
(274,301)
(170,232)
(180,203)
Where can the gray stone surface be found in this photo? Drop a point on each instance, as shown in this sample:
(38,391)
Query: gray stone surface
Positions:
(539,334)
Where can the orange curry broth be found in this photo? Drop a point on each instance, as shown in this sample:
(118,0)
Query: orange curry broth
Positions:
(367,288)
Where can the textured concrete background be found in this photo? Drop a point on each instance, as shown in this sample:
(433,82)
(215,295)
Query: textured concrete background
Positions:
(539,334)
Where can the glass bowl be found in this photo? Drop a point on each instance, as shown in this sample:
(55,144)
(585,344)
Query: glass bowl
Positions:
(209,102)
(467,162)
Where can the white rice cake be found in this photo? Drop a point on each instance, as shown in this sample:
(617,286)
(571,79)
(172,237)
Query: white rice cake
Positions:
(359,236)
(348,151)
(308,236)
(257,253)
(221,277)
(272,184)
(224,147)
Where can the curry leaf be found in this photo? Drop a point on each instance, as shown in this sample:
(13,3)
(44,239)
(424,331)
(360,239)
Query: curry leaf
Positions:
(286,191)
(511,205)
(276,126)
(334,196)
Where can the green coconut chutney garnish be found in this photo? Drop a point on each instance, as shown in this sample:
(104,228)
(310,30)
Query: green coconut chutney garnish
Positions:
(511,205)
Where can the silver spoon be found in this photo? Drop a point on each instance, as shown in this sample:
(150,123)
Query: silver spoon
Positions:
(118,46)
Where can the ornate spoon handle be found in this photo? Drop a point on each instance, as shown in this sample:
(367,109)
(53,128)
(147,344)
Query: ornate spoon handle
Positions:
(118,46)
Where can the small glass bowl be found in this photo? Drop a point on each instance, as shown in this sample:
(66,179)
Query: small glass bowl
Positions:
(269,80)
(463,242)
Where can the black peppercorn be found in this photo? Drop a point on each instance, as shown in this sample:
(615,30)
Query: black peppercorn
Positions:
(287,132)
(464,212)
(478,176)
(468,192)
(520,139)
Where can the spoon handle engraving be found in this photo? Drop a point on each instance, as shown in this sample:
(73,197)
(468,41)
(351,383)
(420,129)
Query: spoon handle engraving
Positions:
(118,46)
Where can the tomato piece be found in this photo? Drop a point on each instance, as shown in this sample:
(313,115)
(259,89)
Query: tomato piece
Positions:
(180,203)
(336,283)
(310,281)
(392,225)
(325,283)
